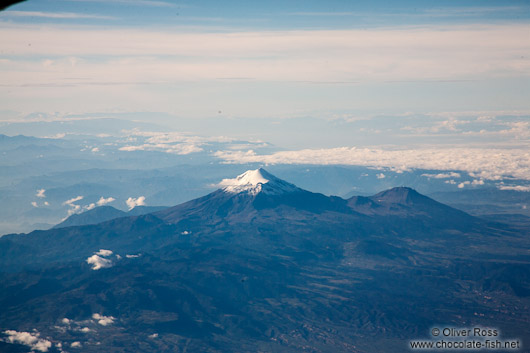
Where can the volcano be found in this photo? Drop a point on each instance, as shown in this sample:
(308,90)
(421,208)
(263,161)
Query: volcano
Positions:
(262,265)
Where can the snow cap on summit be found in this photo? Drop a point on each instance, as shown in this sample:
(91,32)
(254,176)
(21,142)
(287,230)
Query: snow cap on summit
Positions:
(253,182)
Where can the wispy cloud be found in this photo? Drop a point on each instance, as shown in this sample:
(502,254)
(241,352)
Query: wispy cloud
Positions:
(442,175)
(72,200)
(472,11)
(313,55)
(332,14)
(56,15)
(525,188)
(153,3)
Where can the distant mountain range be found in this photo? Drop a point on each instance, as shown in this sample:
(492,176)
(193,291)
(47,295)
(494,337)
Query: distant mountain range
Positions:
(263,265)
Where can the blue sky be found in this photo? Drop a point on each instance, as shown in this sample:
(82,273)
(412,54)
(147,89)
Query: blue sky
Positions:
(281,71)
(274,14)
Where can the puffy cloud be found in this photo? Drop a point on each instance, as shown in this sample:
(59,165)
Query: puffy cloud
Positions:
(442,175)
(133,202)
(104,252)
(34,204)
(380,176)
(40,193)
(98,262)
(76,344)
(482,163)
(31,340)
(103,201)
(463,184)
(73,207)
(103,320)
(95,149)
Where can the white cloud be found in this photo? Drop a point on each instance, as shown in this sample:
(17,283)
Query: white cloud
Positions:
(133,202)
(515,187)
(133,256)
(85,330)
(31,340)
(154,335)
(72,200)
(484,163)
(95,149)
(104,252)
(452,182)
(40,193)
(98,262)
(442,175)
(46,203)
(104,320)
(34,204)
(66,321)
(463,184)
(76,344)
(380,176)
(103,201)
(73,207)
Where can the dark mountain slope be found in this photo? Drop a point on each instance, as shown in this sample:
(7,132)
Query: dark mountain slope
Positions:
(262,265)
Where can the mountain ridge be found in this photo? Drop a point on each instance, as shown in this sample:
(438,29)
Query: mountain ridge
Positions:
(254,271)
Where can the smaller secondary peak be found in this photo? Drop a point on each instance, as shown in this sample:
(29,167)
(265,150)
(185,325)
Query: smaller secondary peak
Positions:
(256,181)
(402,195)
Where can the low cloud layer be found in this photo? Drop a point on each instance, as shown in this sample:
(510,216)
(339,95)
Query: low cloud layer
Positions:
(480,163)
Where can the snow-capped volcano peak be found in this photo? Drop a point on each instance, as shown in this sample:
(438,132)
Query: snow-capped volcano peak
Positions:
(256,181)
